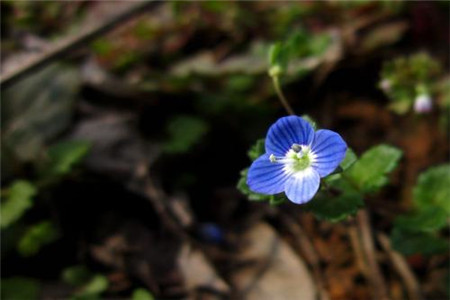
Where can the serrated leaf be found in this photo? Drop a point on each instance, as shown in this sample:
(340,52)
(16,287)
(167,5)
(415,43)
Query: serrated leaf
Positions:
(408,242)
(19,200)
(335,208)
(142,294)
(369,172)
(65,155)
(184,132)
(427,219)
(433,188)
(19,288)
(36,237)
(257,149)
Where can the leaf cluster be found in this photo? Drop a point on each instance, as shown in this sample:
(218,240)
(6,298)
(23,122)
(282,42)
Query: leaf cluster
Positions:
(405,78)
(419,230)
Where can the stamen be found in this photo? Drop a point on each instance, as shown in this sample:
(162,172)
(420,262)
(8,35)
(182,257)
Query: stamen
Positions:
(296,147)
(272,158)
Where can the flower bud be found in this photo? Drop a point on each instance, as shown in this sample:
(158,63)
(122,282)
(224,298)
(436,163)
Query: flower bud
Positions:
(423,104)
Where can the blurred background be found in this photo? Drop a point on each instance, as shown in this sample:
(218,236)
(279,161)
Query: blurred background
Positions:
(126,124)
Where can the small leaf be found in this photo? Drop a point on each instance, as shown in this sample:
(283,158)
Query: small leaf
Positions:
(96,285)
(427,219)
(184,132)
(408,242)
(335,208)
(18,288)
(277,56)
(257,149)
(65,155)
(433,188)
(76,275)
(142,294)
(19,200)
(369,172)
(36,237)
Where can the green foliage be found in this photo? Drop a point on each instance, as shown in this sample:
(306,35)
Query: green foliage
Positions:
(19,200)
(419,230)
(63,156)
(76,275)
(36,237)
(89,285)
(184,132)
(142,294)
(411,242)
(427,219)
(335,208)
(257,150)
(368,174)
(18,288)
(433,188)
(300,44)
(404,78)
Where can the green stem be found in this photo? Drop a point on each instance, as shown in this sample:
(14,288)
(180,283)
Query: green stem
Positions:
(279,91)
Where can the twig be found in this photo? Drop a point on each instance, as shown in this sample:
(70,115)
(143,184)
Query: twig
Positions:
(375,277)
(359,253)
(279,91)
(61,48)
(402,268)
(308,250)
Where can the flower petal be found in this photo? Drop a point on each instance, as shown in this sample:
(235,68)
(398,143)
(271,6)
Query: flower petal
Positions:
(301,187)
(265,177)
(329,149)
(286,132)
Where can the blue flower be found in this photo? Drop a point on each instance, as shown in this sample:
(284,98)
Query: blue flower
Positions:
(296,158)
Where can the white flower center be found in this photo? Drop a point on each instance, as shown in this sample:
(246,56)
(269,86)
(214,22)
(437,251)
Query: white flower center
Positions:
(297,159)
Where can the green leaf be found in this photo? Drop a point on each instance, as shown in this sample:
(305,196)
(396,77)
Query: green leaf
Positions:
(408,242)
(184,132)
(65,155)
(369,172)
(76,275)
(19,200)
(18,288)
(96,285)
(433,188)
(142,294)
(277,56)
(36,237)
(257,149)
(427,219)
(335,208)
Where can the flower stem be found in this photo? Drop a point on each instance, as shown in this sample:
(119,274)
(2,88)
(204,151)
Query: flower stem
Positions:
(279,91)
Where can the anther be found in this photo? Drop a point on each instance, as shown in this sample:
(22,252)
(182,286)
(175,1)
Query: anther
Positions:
(296,147)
